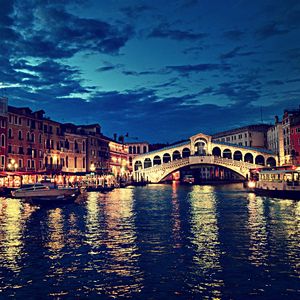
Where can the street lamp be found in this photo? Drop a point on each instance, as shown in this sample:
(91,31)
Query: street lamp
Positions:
(12,165)
(92,167)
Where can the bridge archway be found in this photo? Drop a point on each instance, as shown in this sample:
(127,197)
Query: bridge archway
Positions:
(248,158)
(200,147)
(138,165)
(166,158)
(176,155)
(186,152)
(260,160)
(147,163)
(227,153)
(216,151)
(156,160)
(271,162)
(237,155)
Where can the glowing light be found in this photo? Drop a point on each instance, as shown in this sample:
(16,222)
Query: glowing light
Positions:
(251,184)
(92,167)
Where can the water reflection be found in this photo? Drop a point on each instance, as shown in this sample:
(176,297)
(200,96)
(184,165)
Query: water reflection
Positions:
(258,232)
(176,215)
(204,227)
(13,215)
(55,240)
(118,242)
(288,228)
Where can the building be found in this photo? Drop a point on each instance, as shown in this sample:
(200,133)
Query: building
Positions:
(73,153)
(295,139)
(134,149)
(25,147)
(119,164)
(287,120)
(275,140)
(250,136)
(97,149)
(54,142)
(3,132)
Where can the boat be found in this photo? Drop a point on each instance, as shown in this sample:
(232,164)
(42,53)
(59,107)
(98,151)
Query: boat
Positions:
(42,193)
(276,183)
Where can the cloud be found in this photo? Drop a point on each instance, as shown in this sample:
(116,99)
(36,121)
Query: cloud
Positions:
(51,32)
(186,69)
(236,52)
(234,35)
(164,31)
(275,82)
(107,66)
(270,30)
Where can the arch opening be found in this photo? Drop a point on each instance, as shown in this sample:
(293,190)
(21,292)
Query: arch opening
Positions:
(166,158)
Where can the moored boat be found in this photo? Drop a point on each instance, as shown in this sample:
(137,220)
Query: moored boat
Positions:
(276,183)
(45,194)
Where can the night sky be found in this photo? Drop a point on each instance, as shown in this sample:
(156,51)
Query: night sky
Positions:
(159,70)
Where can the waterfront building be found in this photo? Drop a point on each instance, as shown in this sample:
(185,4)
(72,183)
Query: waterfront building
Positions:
(97,149)
(25,148)
(249,136)
(275,140)
(295,139)
(134,149)
(119,164)
(53,143)
(287,118)
(73,152)
(3,132)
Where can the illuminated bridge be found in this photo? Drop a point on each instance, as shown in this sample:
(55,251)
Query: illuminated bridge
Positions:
(157,165)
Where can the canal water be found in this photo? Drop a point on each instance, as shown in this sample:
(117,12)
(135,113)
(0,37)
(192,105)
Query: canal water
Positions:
(154,242)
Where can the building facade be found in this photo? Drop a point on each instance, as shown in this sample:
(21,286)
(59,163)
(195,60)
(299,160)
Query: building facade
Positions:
(275,140)
(249,136)
(287,120)
(119,164)
(134,149)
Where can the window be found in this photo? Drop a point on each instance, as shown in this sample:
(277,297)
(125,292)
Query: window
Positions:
(3,123)
(2,160)
(67,162)
(2,140)
(32,164)
(138,149)
(83,162)
(20,121)
(28,136)
(40,138)
(32,137)
(9,150)
(21,150)
(144,149)
(10,119)
(16,120)
(45,128)
(83,146)
(40,164)
(75,162)
(20,163)
(28,163)
(10,133)
(20,136)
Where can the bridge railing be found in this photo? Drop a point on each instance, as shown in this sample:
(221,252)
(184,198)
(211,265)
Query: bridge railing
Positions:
(208,159)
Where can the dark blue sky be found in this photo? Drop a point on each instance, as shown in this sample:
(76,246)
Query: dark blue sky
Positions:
(159,70)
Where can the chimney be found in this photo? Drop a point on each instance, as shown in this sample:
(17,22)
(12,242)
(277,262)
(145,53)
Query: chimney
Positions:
(115,136)
(276,120)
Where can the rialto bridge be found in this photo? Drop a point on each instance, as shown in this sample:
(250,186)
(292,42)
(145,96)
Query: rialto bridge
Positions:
(200,150)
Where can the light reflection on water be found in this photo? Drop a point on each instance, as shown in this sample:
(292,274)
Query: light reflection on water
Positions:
(204,227)
(156,242)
